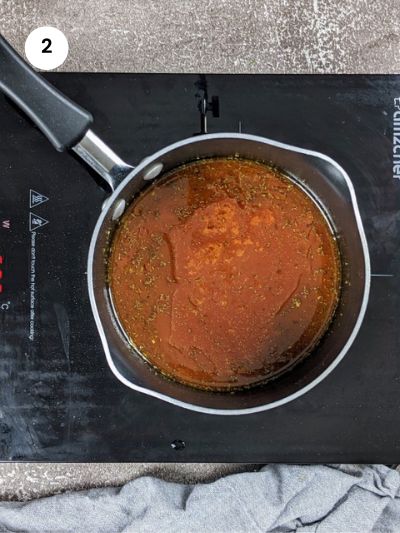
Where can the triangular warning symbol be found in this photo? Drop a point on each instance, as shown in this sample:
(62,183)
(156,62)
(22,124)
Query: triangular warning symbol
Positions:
(36,222)
(36,198)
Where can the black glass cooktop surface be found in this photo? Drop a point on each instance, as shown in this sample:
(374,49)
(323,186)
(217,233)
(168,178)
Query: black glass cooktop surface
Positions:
(59,400)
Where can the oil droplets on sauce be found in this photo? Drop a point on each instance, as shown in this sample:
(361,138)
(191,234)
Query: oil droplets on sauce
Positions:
(224,273)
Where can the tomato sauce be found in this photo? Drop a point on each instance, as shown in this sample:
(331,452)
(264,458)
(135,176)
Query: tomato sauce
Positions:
(224,273)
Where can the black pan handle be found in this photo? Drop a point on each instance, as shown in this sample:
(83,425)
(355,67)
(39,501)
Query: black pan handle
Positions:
(62,121)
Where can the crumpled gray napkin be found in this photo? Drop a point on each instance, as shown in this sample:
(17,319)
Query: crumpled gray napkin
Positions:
(278,498)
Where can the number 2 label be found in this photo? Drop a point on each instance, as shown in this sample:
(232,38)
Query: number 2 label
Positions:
(47,43)
(46,47)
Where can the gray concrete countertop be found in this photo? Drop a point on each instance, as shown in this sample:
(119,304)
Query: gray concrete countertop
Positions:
(278,36)
(25,481)
(237,36)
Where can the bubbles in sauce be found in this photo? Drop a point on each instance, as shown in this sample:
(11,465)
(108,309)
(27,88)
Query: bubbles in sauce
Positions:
(224,273)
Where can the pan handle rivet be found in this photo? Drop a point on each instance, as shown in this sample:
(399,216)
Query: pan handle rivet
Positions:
(153,171)
(118,209)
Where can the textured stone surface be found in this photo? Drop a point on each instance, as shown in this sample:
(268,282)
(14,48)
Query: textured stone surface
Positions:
(20,481)
(315,36)
(216,36)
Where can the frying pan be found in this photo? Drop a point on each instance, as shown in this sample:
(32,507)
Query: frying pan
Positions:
(66,125)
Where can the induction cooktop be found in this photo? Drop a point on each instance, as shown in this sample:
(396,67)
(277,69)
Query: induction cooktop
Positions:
(59,401)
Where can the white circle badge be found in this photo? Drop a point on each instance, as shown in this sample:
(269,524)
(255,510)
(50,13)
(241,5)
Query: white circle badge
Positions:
(46,48)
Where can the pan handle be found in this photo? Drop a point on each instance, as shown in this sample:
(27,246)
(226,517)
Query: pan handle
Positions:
(63,122)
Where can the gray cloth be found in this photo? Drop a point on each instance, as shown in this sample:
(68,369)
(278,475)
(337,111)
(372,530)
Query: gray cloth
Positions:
(279,498)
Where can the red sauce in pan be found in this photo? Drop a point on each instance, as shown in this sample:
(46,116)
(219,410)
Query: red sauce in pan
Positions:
(224,273)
